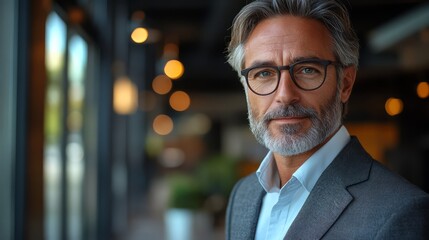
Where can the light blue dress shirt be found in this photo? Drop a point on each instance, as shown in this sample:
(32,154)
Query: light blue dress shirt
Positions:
(281,206)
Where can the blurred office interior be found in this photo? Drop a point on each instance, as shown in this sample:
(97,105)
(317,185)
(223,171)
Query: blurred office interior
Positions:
(120,119)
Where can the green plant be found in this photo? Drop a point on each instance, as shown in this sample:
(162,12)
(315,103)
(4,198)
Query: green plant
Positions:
(213,176)
(185,192)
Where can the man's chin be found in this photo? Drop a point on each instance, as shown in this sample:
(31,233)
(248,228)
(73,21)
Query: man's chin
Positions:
(290,129)
(292,143)
(288,150)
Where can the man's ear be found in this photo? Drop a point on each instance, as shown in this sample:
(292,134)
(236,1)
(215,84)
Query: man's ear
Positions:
(348,80)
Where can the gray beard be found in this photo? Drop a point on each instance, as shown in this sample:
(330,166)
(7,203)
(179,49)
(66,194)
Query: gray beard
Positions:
(292,140)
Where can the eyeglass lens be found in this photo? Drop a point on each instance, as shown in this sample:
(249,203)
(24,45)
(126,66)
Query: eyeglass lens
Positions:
(306,75)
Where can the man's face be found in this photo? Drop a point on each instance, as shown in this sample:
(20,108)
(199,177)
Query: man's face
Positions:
(292,121)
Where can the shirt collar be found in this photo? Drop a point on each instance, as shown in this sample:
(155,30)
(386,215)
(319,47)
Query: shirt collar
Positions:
(310,171)
(267,174)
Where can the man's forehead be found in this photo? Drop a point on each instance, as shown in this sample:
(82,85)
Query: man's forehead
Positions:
(286,39)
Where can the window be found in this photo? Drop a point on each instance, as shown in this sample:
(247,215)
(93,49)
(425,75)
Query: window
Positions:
(56,36)
(75,154)
(64,154)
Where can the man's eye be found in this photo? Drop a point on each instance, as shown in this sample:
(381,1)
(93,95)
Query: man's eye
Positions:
(264,73)
(308,70)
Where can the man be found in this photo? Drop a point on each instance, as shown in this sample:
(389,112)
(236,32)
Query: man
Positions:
(297,60)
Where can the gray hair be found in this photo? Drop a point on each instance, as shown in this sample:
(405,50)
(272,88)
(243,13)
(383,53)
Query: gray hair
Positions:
(332,14)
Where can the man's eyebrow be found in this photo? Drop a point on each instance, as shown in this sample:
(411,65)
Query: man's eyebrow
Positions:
(297,59)
(262,63)
(258,63)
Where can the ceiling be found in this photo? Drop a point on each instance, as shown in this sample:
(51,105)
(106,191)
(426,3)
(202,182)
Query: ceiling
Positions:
(201,30)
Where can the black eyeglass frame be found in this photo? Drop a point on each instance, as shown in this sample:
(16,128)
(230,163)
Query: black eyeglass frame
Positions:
(324,63)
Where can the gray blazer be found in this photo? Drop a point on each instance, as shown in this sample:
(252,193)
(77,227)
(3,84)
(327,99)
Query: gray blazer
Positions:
(354,198)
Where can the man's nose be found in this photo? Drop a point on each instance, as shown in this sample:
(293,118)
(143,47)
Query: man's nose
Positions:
(287,92)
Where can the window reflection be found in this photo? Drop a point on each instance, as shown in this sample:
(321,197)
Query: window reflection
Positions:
(77,62)
(55,52)
(64,156)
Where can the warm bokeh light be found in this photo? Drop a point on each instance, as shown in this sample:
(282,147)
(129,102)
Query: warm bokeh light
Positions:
(180,101)
(423,90)
(139,35)
(125,96)
(394,106)
(163,124)
(162,84)
(174,69)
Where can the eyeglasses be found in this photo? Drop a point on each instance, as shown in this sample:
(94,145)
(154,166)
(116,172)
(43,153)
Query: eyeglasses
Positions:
(307,75)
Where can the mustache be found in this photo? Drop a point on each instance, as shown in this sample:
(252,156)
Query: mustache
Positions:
(294,110)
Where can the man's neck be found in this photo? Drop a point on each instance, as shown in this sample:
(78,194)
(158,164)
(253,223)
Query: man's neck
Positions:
(287,165)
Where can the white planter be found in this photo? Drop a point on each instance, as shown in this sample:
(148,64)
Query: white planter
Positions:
(185,224)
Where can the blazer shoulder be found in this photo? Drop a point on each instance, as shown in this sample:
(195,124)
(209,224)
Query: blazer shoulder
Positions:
(398,185)
(409,220)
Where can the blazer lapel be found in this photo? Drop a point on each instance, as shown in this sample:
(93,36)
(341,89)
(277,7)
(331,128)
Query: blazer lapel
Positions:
(320,211)
(329,197)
